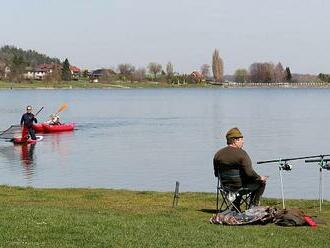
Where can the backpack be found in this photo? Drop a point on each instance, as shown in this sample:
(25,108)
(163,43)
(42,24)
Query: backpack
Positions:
(290,217)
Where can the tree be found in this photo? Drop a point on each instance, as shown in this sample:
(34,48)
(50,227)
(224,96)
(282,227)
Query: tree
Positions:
(154,69)
(169,69)
(139,75)
(55,75)
(262,72)
(126,71)
(217,66)
(2,69)
(205,70)
(85,73)
(66,72)
(241,76)
(17,68)
(288,76)
(279,74)
(30,57)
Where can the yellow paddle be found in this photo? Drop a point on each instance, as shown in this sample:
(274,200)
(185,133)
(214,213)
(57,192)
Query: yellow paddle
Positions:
(62,108)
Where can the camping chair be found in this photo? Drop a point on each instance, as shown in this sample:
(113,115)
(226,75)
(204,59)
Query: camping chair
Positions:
(229,195)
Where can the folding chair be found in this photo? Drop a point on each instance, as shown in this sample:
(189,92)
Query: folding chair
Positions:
(229,195)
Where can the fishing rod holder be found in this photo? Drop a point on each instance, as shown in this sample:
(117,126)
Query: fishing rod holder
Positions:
(283,165)
(323,165)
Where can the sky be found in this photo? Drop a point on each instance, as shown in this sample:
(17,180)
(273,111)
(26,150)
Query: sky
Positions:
(104,33)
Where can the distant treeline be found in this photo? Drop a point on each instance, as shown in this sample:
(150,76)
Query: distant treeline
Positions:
(9,54)
(18,61)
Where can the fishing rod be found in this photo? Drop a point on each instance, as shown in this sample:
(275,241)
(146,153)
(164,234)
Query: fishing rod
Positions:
(324,165)
(291,159)
(284,165)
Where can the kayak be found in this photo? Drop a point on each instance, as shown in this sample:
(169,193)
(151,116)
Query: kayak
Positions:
(58,128)
(29,141)
(38,127)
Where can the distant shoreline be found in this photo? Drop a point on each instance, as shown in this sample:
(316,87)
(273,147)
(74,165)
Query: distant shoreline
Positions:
(42,85)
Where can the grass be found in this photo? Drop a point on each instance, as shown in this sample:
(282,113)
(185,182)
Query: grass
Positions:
(87,84)
(118,218)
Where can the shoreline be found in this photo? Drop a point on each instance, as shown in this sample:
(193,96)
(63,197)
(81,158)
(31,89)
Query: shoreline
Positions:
(41,85)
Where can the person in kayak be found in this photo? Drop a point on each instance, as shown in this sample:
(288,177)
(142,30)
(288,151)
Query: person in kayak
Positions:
(27,124)
(232,158)
(54,120)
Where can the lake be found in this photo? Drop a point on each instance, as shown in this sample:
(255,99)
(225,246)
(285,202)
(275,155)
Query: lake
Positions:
(146,139)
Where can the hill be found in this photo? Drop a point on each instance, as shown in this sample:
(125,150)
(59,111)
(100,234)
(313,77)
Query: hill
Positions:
(30,57)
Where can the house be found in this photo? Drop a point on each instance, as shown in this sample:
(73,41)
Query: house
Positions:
(42,70)
(75,72)
(99,74)
(28,73)
(197,76)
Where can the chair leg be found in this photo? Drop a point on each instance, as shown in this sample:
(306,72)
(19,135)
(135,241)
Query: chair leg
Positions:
(218,189)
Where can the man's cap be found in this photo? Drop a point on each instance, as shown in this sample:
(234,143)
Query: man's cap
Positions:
(234,133)
(29,107)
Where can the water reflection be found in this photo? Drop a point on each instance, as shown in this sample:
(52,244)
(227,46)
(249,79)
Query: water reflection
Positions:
(24,156)
(27,156)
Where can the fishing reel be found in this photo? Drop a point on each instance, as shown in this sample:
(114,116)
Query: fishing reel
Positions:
(286,166)
(323,163)
(326,166)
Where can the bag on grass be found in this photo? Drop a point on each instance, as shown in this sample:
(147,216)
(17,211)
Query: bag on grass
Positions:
(290,217)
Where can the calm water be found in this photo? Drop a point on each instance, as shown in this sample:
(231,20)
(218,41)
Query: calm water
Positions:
(146,139)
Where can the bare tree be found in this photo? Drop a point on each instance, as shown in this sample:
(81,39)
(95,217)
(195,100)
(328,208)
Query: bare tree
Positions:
(126,71)
(241,75)
(262,72)
(2,69)
(169,69)
(55,75)
(205,70)
(154,68)
(217,66)
(279,74)
(139,75)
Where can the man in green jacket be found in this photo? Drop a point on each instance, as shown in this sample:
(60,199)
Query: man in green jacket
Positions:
(235,167)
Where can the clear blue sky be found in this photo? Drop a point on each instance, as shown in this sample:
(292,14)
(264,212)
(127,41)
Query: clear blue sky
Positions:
(105,33)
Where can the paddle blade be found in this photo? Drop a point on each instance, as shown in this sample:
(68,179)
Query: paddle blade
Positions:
(62,108)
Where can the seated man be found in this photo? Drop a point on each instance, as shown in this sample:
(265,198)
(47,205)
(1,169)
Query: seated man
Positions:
(54,120)
(232,158)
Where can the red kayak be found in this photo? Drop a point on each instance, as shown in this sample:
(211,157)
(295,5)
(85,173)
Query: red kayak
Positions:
(38,127)
(58,128)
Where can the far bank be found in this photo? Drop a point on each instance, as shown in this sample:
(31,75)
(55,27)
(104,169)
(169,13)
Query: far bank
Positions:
(84,84)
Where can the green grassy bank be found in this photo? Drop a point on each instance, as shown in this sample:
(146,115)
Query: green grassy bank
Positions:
(116,218)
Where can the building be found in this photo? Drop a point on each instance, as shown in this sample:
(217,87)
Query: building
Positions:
(41,71)
(100,74)
(75,72)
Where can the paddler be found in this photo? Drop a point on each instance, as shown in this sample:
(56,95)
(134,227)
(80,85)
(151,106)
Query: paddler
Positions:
(54,119)
(27,124)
